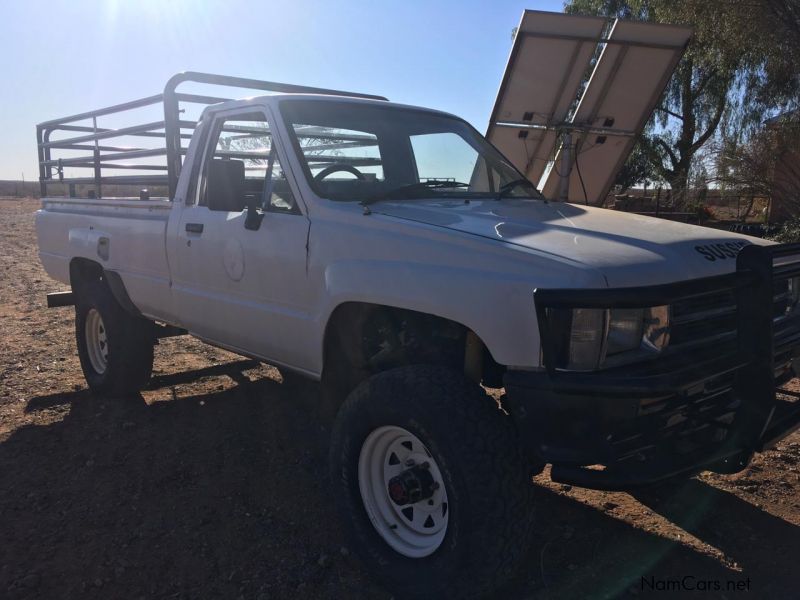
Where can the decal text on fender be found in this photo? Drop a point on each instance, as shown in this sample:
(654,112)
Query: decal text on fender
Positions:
(721,251)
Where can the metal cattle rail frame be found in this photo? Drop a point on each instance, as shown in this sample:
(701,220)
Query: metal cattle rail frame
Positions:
(172,129)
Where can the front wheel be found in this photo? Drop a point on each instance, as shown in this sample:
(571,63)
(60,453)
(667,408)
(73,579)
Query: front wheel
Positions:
(429,478)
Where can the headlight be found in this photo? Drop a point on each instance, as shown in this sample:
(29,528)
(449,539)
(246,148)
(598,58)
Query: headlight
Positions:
(597,338)
(625,326)
(587,333)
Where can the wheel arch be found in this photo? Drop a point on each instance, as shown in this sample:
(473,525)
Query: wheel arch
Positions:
(407,336)
(84,270)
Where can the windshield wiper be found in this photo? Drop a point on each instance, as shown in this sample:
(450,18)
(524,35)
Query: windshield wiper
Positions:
(414,188)
(505,189)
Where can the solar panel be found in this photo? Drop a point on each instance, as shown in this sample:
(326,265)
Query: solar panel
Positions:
(549,60)
(549,57)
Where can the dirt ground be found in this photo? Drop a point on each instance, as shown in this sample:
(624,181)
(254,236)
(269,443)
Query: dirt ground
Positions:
(213,484)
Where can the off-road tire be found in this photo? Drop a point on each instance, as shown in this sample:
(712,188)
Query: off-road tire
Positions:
(130,342)
(475,446)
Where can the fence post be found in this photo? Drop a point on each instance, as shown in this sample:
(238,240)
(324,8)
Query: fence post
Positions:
(658,199)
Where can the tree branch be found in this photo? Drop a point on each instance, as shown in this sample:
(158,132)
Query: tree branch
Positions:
(712,125)
(672,158)
(670,113)
(704,80)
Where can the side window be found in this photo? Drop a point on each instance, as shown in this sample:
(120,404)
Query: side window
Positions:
(242,167)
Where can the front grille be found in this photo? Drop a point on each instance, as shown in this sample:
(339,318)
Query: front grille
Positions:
(699,420)
(712,318)
(678,425)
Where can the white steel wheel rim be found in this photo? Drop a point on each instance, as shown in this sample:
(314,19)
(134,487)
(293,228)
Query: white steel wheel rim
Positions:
(414,530)
(96,341)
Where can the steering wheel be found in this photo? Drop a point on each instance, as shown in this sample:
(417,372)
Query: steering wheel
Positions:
(339,167)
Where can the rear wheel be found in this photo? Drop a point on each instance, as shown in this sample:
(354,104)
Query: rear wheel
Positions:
(429,478)
(96,341)
(115,348)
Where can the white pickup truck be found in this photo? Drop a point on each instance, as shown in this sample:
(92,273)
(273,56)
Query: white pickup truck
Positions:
(392,253)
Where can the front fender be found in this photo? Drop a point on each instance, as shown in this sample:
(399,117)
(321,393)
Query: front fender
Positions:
(498,307)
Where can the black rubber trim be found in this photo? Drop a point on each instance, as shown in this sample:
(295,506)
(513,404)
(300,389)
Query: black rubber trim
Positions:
(117,287)
(627,381)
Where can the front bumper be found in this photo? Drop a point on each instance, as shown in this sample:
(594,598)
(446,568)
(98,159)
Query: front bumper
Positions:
(708,409)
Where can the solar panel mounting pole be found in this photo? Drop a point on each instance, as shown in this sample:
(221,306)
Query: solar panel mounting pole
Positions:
(566,165)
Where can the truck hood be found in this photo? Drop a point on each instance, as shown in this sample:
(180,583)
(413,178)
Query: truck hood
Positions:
(627,249)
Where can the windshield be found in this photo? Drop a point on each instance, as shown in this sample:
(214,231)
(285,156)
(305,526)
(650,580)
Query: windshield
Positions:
(363,152)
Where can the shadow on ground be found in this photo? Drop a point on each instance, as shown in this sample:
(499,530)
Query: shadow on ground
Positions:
(225,495)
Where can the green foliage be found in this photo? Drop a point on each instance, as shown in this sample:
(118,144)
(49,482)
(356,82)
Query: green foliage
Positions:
(764,164)
(636,169)
(775,82)
(747,166)
(788,233)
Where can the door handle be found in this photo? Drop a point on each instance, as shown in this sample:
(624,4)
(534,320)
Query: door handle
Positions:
(194,227)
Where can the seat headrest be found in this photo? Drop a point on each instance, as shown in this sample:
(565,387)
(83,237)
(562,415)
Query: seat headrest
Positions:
(225,185)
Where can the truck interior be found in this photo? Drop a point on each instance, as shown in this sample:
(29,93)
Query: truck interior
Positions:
(242,168)
(376,150)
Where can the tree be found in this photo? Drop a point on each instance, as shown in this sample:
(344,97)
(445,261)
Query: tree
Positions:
(637,169)
(767,164)
(786,14)
(781,43)
(725,83)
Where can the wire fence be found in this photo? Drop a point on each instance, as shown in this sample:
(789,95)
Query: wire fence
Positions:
(693,205)
(31,189)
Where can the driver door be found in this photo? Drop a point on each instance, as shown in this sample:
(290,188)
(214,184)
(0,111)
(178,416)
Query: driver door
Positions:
(239,287)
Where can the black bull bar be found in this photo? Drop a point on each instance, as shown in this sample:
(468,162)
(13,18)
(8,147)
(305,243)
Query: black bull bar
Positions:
(760,419)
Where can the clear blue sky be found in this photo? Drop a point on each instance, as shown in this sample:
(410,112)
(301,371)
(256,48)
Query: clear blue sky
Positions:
(62,57)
